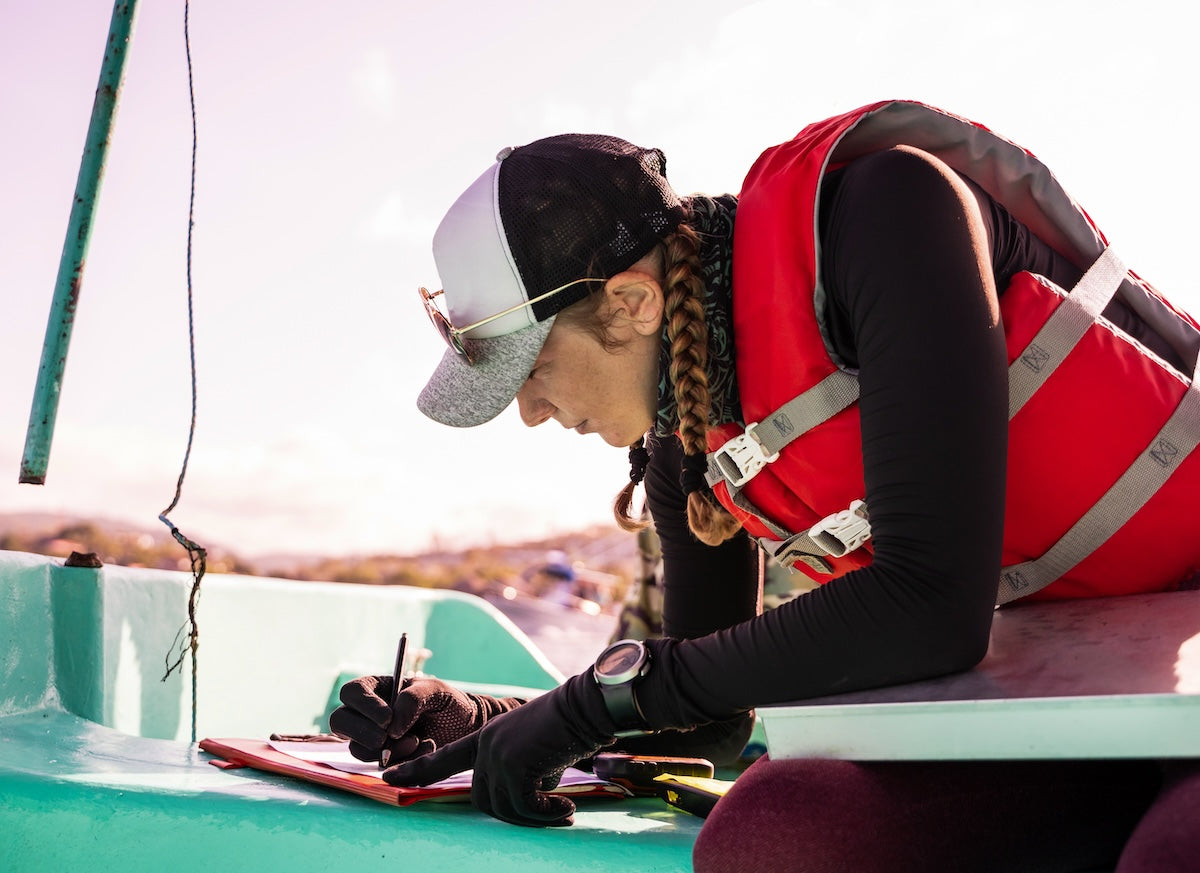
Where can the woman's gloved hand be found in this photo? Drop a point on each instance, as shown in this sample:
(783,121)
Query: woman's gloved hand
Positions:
(522,754)
(429,714)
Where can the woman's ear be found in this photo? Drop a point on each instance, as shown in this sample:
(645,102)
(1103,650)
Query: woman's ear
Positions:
(636,298)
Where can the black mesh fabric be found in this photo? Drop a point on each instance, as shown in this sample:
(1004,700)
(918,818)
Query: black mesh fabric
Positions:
(579,205)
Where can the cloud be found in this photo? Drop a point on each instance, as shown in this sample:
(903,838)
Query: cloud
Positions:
(395,221)
(558,117)
(374,84)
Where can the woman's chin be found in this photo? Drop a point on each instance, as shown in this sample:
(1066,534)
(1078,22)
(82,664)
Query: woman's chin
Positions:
(620,440)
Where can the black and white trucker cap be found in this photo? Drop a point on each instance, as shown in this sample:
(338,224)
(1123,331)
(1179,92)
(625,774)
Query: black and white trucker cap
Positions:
(543,216)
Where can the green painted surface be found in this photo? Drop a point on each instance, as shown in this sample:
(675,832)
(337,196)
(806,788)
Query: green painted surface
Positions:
(272,652)
(93,770)
(76,794)
(76,603)
(25,656)
(465,645)
(48,388)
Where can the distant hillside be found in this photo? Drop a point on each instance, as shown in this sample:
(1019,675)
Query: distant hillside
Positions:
(604,560)
(113,541)
(37,523)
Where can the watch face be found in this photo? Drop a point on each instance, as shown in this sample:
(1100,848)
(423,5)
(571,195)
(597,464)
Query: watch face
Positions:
(619,659)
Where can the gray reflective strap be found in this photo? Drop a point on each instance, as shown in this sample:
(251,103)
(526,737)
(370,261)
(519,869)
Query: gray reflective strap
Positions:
(800,549)
(1152,468)
(740,459)
(1063,329)
(743,503)
(801,414)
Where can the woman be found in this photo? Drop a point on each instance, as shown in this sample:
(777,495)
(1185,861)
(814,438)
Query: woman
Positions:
(841,390)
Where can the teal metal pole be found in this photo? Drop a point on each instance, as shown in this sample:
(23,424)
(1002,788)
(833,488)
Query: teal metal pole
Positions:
(79,233)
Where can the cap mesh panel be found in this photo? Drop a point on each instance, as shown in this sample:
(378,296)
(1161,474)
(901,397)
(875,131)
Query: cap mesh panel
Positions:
(581,205)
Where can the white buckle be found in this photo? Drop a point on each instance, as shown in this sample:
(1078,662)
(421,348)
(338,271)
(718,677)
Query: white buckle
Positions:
(740,459)
(843,532)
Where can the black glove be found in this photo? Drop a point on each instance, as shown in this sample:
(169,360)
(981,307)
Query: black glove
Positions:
(429,714)
(520,755)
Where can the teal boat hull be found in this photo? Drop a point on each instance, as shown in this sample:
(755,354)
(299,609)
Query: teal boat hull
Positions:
(97,769)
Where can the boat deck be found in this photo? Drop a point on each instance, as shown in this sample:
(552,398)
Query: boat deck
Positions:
(81,796)
(97,770)
(97,767)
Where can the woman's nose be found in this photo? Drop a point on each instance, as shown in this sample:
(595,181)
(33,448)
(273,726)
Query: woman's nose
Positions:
(534,410)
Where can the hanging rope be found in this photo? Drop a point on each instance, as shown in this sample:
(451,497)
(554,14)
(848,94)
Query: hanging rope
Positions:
(187,639)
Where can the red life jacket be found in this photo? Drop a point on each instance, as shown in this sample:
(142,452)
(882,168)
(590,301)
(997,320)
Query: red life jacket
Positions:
(1102,491)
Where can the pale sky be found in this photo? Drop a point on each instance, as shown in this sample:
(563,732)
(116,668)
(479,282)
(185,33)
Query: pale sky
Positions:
(334,136)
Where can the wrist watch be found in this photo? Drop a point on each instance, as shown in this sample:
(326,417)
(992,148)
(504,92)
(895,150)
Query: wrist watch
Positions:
(617,672)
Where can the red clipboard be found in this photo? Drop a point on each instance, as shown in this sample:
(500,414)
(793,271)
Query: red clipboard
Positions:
(235,752)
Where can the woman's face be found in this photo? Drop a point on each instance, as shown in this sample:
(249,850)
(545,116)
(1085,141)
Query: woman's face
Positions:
(589,388)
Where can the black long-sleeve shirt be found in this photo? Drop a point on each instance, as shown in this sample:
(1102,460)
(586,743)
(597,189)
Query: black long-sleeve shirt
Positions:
(912,257)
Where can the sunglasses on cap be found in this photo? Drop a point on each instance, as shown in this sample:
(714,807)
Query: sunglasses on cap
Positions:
(453,335)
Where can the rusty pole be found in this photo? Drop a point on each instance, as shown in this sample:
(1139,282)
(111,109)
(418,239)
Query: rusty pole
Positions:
(79,231)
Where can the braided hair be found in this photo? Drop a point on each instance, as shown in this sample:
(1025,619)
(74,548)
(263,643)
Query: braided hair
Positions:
(687,333)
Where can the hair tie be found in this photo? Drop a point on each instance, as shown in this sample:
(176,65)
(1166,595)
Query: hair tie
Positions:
(692,476)
(638,459)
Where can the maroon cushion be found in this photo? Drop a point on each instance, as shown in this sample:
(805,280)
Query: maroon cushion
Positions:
(824,815)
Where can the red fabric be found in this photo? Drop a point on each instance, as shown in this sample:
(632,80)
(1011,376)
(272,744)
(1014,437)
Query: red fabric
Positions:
(1157,548)
(1068,445)
(822,816)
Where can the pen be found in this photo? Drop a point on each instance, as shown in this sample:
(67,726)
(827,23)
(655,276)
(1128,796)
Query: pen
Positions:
(397,682)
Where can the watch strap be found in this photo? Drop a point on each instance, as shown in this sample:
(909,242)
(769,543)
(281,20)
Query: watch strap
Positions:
(620,696)
(621,703)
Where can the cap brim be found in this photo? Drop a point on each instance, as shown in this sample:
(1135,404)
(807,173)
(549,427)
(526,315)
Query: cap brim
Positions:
(465,395)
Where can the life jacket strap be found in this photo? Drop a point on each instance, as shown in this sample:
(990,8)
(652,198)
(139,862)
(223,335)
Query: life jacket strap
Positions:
(1149,472)
(1064,329)
(834,536)
(740,459)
